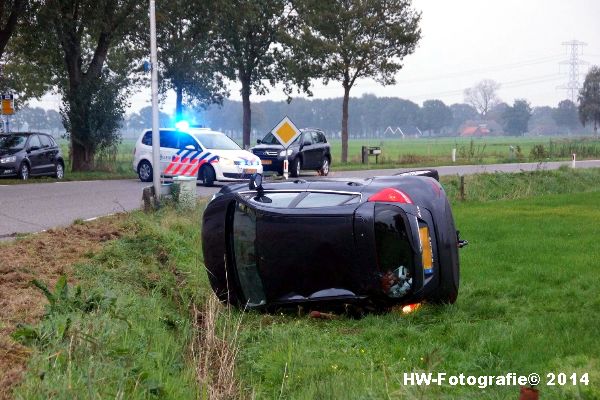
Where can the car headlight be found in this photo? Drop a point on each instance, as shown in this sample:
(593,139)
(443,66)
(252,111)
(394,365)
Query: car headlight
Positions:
(283,153)
(225,161)
(6,160)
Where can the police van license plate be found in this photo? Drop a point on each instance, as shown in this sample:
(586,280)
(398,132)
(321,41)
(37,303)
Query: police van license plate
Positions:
(248,171)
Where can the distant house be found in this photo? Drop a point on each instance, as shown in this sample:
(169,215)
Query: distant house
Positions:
(475,131)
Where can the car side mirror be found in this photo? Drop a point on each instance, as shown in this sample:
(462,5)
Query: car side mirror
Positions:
(258,141)
(190,147)
(256,184)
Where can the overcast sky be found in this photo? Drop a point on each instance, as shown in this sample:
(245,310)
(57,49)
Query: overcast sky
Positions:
(515,42)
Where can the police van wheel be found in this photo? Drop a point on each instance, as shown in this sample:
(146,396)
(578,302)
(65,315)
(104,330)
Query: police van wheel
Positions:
(207,175)
(145,171)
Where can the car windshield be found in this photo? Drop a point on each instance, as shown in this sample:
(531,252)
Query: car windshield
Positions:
(12,142)
(271,139)
(216,141)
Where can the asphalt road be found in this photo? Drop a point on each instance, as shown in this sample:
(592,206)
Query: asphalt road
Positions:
(36,207)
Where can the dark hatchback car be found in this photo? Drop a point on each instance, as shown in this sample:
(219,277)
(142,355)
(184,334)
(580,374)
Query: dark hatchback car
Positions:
(30,154)
(310,151)
(374,242)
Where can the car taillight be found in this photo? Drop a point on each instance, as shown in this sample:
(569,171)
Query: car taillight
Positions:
(426,253)
(391,195)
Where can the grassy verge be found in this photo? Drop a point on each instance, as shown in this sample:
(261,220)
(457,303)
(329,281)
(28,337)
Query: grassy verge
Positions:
(129,330)
(528,303)
(510,186)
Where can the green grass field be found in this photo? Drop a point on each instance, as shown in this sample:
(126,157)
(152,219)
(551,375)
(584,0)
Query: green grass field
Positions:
(528,303)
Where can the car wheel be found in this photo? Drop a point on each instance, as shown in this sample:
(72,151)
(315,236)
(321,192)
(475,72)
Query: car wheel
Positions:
(207,175)
(296,167)
(60,171)
(145,171)
(447,291)
(24,171)
(324,170)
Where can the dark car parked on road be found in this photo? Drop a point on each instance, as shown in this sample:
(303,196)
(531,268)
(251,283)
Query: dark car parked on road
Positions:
(310,151)
(377,242)
(30,154)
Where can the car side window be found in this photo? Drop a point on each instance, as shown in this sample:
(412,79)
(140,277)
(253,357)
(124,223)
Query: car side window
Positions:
(307,140)
(52,141)
(168,139)
(34,141)
(186,140)
(45,141)
(275,200)
(327,200)
(315,137)
(147,139)
(322,138)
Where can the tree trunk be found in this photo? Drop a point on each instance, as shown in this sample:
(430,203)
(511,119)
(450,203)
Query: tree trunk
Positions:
(247,122)
(179,103)
(345,123)
(82,157)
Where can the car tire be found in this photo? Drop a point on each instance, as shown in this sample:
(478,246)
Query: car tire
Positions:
(24,172)
(59,171)
(145,172)
(207,175)
(324,170)
(296,166)
(447,291)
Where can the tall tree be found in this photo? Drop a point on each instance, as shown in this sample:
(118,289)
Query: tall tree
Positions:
(589,99)
(10,13)
(516,118)
(565,115)
(435,115)
(461,113)
(85,49)
(353,39)
(249,41)
(483,96)
(187,54)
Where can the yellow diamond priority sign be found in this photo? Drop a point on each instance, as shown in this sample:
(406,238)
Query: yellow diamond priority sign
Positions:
(286,132)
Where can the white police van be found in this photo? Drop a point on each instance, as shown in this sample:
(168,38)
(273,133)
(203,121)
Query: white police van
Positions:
(201,152)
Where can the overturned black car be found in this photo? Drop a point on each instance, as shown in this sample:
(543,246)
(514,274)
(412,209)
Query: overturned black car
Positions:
(380,241)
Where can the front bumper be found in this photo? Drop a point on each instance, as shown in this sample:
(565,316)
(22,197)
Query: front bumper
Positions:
(236,172)
(8,169)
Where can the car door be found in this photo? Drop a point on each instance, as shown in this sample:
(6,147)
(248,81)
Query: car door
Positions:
(169,159)
(35,154)
(319,147)
(308,151)
(48,154)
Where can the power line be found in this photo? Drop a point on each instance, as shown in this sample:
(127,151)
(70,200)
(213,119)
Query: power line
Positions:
(503,85)
(501,67)
(574,62)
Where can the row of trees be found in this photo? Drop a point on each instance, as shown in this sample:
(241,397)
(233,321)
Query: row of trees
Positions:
(372,116)
(369,116)
(90,52)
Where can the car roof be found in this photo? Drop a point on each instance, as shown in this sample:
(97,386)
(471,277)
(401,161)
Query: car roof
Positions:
(24,133)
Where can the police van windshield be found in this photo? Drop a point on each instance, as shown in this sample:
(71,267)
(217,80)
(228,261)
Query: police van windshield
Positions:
(216,141)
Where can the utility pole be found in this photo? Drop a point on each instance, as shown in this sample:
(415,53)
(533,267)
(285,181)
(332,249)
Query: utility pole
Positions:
(574,62)
(155,127)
